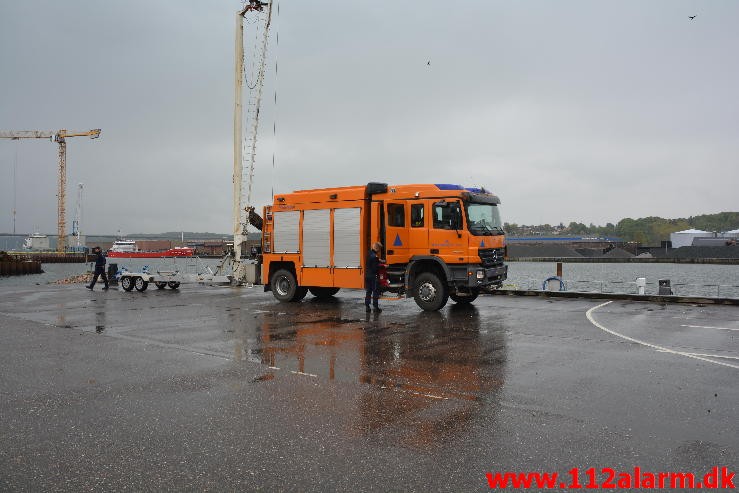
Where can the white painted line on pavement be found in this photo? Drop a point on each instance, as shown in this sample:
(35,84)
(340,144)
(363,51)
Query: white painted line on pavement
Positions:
(707,327)
(714,356)
(589,315)
(303,373)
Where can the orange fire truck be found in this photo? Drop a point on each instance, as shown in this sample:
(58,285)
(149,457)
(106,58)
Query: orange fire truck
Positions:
(440,241)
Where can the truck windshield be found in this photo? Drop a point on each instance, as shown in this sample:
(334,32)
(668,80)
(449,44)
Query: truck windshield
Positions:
(484,219)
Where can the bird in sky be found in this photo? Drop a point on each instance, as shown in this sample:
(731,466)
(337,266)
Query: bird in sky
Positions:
(428,63)
(691,17)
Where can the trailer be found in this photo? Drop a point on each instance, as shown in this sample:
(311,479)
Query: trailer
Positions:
(163,279)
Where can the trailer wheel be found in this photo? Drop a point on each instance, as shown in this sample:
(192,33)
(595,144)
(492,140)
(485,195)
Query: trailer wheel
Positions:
(160,285)
(465,299)
(431,294)
(127,283)
(284,286)
(173,284)
(323,293)
(140,284)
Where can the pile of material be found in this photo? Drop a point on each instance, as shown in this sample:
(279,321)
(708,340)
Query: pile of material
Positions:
(86,278)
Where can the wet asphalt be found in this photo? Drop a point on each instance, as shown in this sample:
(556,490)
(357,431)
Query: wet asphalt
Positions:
(225,389)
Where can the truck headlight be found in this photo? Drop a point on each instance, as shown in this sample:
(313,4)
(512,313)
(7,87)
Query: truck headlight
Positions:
(480,274)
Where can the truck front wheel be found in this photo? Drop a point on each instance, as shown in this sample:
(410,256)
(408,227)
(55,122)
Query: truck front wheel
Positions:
(284,286)
(431,293)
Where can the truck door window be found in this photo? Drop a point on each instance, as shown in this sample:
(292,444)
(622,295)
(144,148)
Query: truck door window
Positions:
(396,215)
(447,215)
(417,216)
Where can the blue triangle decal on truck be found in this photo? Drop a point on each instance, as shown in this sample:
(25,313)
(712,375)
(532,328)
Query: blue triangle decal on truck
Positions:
(482,243)
(397,241)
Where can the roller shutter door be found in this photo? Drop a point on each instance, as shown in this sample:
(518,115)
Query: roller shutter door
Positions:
(346,238)
(286,231)
(317,238)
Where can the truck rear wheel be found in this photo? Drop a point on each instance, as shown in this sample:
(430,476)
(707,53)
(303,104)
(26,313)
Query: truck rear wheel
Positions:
(284,286)
(160,285)
(431,293)
(323,293)
(465,299)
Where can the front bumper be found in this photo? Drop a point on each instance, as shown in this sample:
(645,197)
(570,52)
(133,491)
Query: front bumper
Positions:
(482,277)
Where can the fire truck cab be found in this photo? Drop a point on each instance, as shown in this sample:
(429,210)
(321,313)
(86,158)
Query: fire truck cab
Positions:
(440,241)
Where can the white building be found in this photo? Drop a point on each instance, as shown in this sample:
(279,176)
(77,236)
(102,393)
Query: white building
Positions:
(36,242)
(685,238)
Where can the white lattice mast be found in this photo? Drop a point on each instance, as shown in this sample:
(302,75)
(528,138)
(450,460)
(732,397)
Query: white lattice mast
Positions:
(77,223)
(240,217)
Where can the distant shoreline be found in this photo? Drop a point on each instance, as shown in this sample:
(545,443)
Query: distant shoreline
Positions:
(631,260)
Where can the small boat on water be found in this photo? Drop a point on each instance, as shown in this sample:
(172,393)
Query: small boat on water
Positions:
(128,249)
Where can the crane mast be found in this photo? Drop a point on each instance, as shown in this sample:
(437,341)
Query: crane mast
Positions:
(59,137)
(242,212)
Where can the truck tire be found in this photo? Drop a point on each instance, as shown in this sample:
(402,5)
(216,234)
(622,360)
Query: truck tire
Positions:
(465,299)
(140,284)
(173,284)
(430,293)
(285,286)
(127,283)
(323,293)
(160,285)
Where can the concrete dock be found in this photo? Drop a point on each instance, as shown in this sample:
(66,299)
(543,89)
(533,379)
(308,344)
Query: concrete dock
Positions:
(225,389)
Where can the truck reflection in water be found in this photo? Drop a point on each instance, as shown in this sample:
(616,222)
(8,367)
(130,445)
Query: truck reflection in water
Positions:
(427,374)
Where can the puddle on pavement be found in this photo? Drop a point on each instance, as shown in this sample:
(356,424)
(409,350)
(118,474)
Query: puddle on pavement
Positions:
(425,375)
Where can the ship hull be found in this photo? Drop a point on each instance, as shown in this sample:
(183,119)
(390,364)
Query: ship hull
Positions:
(172,252)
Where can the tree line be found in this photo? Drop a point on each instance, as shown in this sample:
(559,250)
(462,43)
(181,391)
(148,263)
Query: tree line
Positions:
(646,230)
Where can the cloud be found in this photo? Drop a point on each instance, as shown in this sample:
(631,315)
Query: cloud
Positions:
(577,111)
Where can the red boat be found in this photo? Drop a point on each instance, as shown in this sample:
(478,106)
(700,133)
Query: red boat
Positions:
(128,249)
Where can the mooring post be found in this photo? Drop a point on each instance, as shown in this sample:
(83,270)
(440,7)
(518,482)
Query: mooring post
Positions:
(559,270)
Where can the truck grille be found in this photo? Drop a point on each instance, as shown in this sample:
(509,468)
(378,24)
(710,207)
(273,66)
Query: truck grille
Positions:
(491,257)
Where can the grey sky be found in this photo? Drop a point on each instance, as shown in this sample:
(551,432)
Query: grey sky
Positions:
(570,111)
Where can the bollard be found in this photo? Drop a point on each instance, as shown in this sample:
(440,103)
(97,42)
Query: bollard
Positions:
(664,287)
(641,285)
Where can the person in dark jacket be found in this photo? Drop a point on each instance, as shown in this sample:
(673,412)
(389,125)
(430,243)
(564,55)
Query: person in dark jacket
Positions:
(371,280)
(99,268)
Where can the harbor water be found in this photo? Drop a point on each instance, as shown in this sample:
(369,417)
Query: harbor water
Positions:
(721,281)
(686,279)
